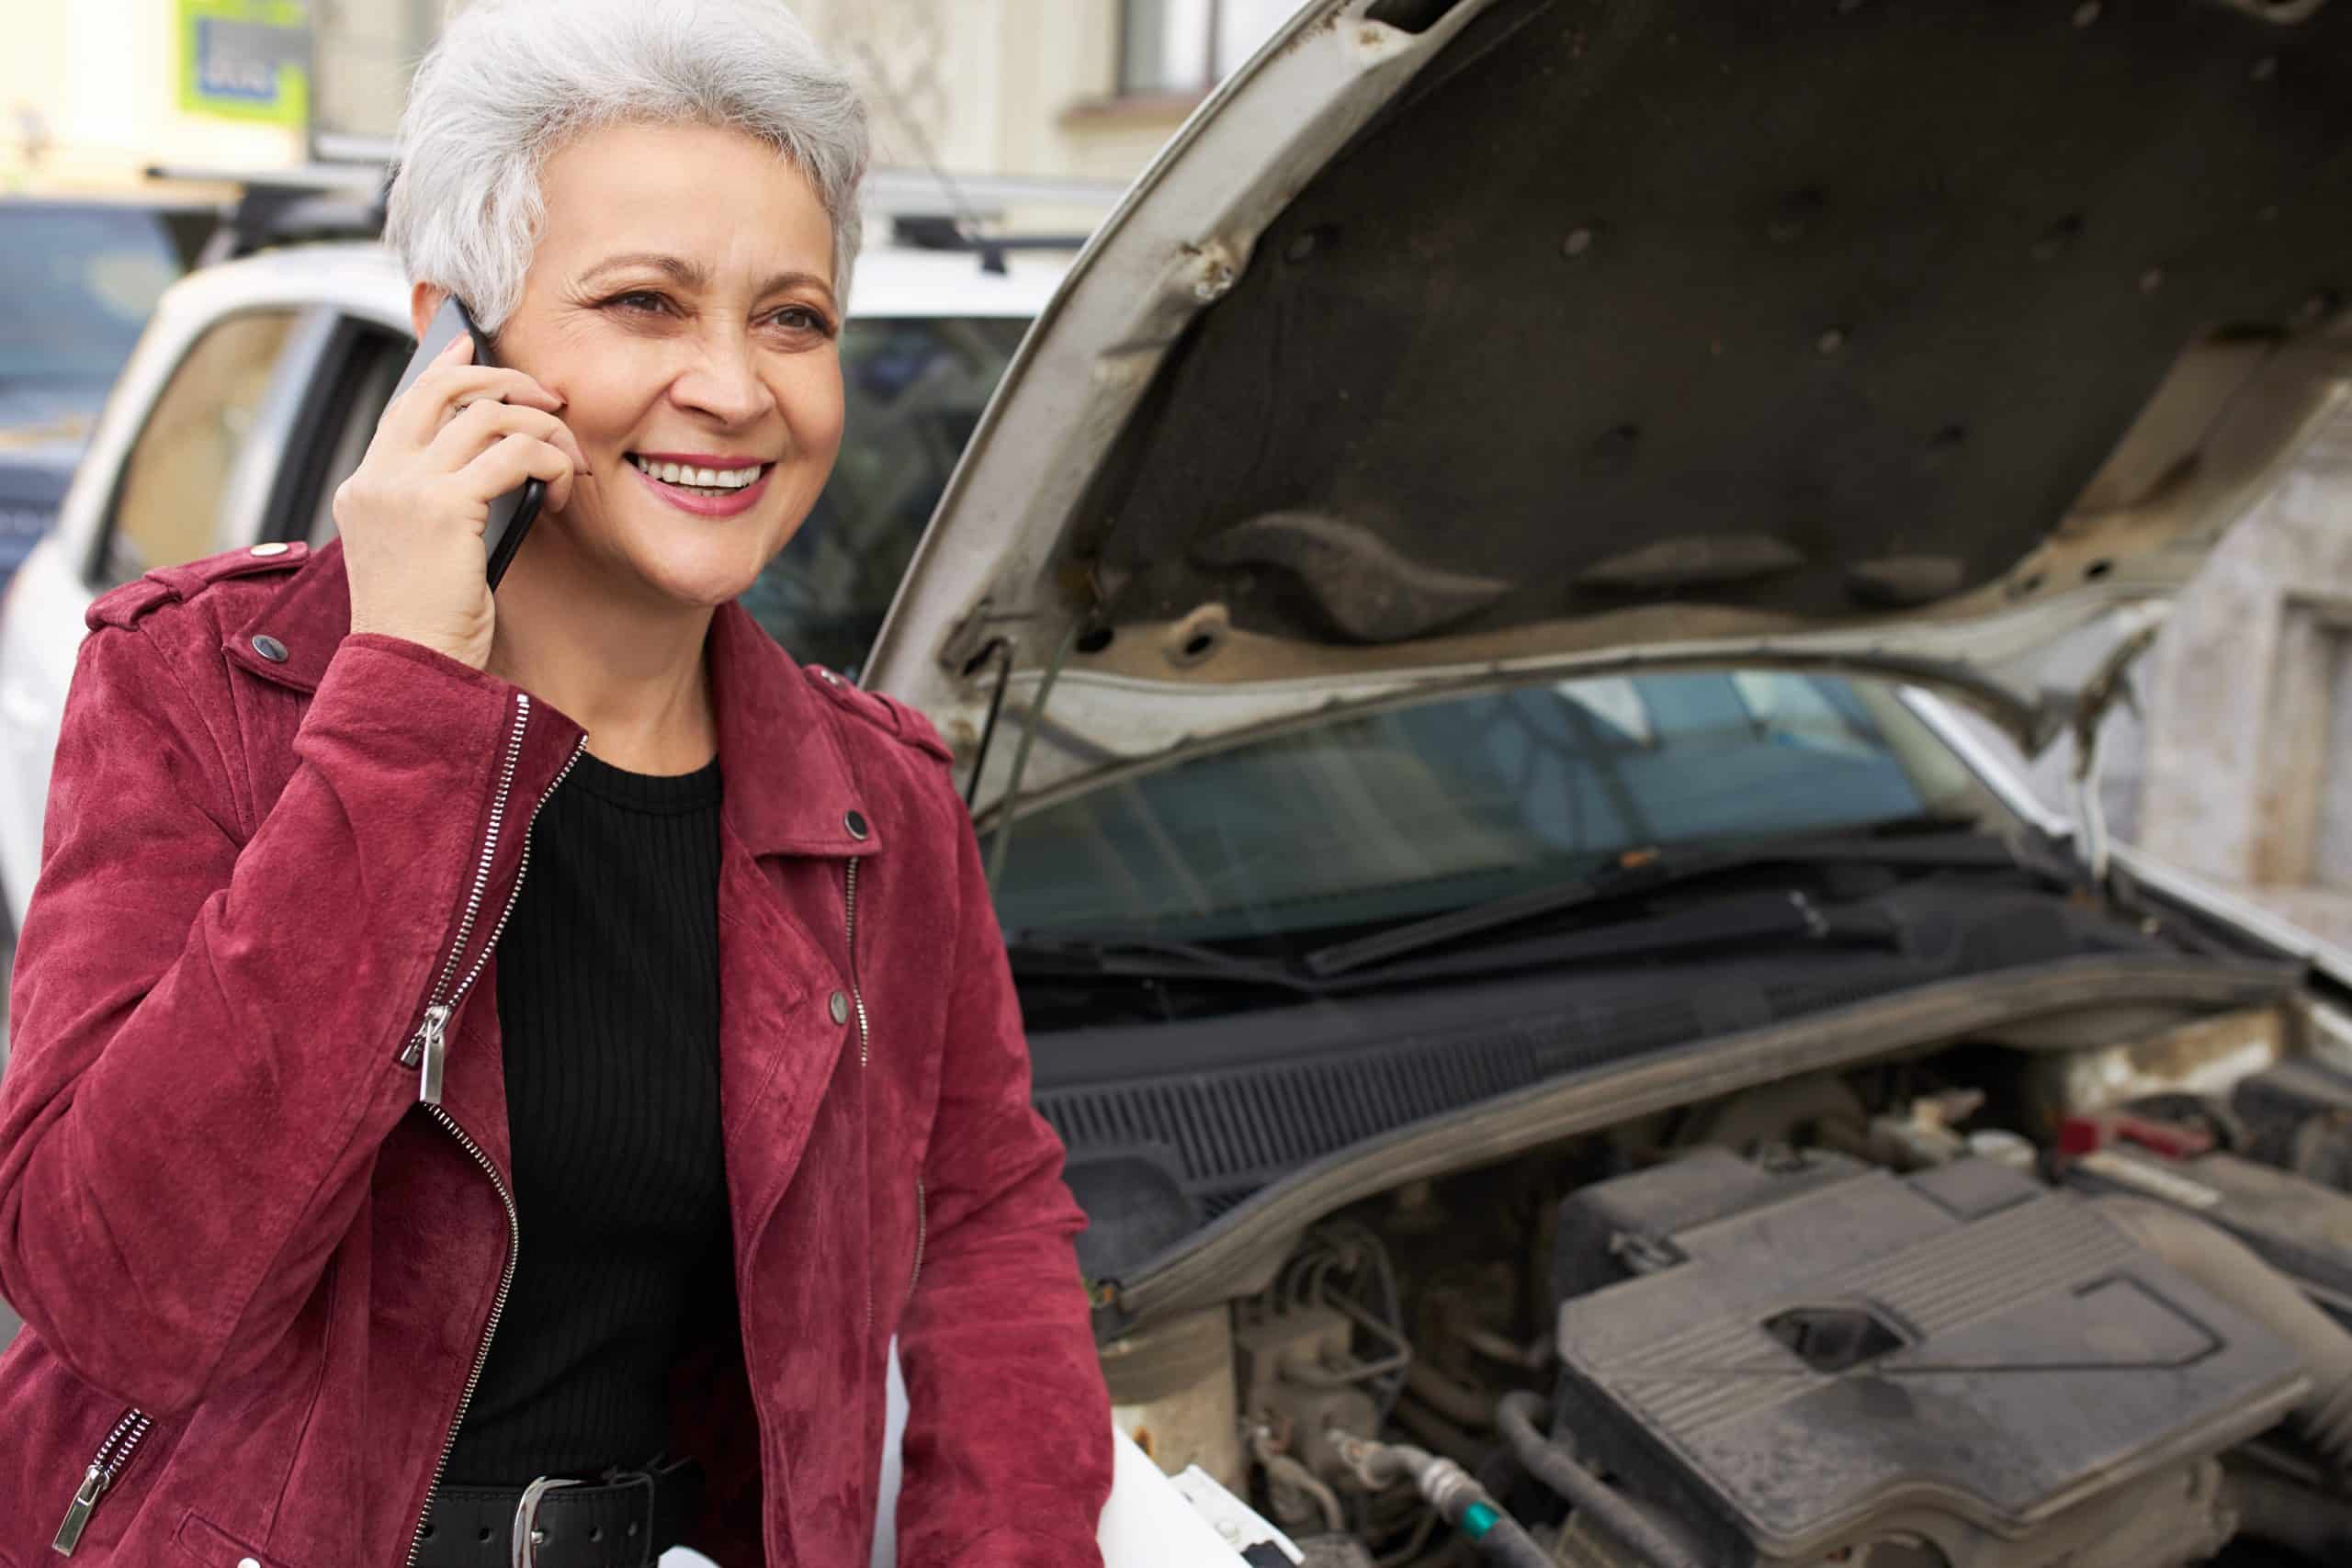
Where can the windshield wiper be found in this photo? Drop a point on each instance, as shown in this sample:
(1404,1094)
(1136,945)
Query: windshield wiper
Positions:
(1635,873)
(1145,957)
(1736,920)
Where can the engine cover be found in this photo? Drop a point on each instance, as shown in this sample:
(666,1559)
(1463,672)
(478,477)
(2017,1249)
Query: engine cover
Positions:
(1815,1356)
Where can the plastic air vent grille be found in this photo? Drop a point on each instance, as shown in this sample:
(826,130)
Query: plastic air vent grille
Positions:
(1231,1132)
(1223,1133)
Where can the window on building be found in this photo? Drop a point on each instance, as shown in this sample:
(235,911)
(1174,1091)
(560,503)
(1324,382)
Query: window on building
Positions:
(1189,46)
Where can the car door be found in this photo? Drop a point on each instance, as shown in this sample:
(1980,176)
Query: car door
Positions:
(184,464)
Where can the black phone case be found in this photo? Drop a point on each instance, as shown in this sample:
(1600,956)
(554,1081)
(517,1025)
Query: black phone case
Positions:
(511,514)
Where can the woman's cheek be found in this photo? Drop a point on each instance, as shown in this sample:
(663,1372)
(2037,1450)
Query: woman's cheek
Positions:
(813,402)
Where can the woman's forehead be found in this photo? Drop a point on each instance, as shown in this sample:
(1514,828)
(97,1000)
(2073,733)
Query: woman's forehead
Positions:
(722,208)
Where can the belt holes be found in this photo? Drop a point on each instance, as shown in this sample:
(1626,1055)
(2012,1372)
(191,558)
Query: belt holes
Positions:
(595,1532)
(482,1534)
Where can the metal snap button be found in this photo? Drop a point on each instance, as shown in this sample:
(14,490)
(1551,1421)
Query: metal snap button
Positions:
(855,822)
(248,1562)
(839,1007)
(269,648)
(278,547)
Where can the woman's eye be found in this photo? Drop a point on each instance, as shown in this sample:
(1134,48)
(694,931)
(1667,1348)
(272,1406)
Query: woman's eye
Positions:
(802,319)
(639,301)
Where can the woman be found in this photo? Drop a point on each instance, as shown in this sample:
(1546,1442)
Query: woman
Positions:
(364,1199)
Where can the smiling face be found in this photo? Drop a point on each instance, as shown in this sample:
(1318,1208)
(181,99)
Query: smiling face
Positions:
(680,301)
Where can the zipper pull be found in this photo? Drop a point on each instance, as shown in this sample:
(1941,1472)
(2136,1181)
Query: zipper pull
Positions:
(85,1497)
(430,1046)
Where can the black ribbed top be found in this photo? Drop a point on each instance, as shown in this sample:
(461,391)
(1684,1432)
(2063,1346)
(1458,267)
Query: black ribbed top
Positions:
(608,1001)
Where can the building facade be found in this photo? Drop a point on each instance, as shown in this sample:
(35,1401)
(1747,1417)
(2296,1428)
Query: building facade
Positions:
(1041,89)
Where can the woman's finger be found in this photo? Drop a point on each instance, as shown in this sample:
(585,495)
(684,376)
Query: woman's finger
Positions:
(420,413)
(465,437)
(514,460)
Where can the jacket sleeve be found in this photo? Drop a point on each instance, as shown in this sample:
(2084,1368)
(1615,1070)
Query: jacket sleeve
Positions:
(207,1026)
(1007,1452)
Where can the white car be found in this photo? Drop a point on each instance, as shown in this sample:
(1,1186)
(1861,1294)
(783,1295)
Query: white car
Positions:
(259,382)
(1467,581)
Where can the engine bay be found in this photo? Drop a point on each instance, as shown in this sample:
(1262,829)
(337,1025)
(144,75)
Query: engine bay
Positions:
(2071,1297)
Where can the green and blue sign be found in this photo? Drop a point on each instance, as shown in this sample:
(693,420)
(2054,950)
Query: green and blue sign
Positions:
(247,60)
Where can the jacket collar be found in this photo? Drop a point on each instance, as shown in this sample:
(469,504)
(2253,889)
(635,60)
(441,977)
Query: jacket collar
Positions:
(788,786)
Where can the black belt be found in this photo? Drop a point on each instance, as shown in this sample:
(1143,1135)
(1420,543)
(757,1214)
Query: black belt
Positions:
(627,1522)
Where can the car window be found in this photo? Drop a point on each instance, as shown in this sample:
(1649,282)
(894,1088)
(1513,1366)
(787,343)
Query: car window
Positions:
(367,374)
(167,503)
(913,390)
(1416,809)
(82,282)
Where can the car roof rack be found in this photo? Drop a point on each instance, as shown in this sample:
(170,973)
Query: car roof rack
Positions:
(340,194)
(891,191)
(276,207)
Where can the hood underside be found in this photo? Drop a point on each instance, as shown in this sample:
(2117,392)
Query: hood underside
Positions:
(1456,339)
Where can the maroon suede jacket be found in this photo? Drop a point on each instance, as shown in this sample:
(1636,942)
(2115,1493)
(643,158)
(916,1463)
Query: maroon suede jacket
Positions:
(258,1266)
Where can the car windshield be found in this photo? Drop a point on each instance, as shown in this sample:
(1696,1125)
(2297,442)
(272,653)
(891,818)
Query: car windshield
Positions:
(1389,815)
(81,282)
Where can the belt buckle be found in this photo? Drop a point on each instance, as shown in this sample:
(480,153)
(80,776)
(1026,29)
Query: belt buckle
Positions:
(524,1541)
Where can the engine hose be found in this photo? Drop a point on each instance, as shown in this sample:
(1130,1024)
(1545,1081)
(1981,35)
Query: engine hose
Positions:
(1505,1542)
(1521,1417)
(1458,1499)
(2234,1271)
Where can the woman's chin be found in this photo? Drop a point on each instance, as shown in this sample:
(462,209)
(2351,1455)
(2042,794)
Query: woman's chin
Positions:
(701,583)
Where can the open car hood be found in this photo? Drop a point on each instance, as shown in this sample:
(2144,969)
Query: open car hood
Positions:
(1453,343)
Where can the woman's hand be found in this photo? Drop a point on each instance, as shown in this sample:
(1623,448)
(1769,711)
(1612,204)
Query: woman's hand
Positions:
(412,514)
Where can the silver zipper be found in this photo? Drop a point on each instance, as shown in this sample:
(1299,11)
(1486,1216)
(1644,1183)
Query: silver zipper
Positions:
(433,1108)
(112,1455)
(857,1000)
(849,908)
(426,1046)
(922,1223)
(497,1308)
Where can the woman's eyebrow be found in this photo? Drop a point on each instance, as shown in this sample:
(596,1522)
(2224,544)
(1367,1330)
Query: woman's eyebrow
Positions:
(693,275)
(685,274)
(797,280)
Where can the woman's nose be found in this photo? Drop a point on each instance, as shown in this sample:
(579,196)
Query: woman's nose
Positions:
(723,381)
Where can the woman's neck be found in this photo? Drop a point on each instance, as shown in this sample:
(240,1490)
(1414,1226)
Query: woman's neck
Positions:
(630,670)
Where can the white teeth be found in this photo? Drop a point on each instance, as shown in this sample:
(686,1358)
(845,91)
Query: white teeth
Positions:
(701,478)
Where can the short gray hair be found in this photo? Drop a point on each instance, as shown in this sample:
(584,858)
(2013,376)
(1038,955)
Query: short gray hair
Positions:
(510,82)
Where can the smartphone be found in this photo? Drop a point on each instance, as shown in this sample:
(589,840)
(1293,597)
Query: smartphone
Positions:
(511,515)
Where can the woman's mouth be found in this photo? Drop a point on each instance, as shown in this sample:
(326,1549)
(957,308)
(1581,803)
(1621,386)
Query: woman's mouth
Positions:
(719,487)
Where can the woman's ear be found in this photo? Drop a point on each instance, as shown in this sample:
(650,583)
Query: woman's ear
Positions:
(423,299)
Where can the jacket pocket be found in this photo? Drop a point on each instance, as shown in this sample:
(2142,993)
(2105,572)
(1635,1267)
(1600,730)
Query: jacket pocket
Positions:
(208,1543)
